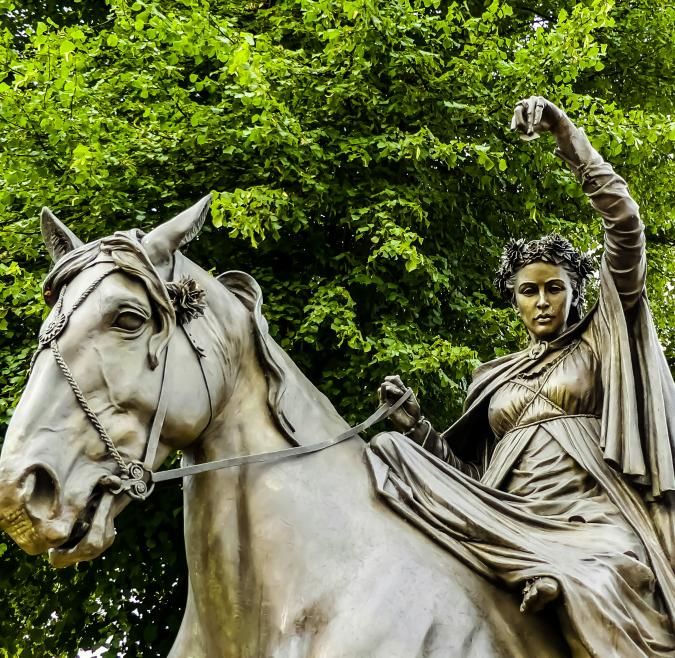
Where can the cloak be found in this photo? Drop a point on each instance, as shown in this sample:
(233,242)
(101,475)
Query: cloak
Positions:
(638,418)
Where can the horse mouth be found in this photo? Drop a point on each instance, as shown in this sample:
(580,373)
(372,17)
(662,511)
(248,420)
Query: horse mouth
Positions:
(83,522)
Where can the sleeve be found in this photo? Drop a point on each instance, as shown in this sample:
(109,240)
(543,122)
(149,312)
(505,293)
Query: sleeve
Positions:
(439,443)
(608,193)
(439,447)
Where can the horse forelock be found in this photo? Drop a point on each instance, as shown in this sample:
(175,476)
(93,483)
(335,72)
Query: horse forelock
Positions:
(125,251)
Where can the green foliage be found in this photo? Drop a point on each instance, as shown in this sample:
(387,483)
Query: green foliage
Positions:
(363,171)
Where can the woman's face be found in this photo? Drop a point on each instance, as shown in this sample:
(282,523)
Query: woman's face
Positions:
(543,294)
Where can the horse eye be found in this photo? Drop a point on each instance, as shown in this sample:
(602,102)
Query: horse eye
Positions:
(129,321)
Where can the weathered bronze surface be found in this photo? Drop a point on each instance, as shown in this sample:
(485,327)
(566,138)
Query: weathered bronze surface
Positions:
(558,480)
(291,558)
(145,353)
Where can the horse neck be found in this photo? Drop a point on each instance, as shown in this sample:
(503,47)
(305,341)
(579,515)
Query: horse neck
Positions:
(237,375)
(244,424)
(251,532)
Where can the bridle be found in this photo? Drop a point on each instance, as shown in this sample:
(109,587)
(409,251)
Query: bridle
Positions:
(136,478)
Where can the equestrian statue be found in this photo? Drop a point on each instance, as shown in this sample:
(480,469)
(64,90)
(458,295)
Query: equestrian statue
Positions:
(541,523)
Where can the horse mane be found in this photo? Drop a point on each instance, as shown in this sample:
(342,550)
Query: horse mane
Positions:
(302,412)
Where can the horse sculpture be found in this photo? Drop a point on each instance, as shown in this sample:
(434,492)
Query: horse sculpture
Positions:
(290,558)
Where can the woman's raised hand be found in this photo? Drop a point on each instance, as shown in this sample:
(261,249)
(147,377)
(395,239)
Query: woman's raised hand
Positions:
(535,115)
(409,413)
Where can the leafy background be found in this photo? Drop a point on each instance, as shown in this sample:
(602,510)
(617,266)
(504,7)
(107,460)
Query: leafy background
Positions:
(363,172)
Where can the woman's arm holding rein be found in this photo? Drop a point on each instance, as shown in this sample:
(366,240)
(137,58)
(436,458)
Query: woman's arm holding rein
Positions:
(409,420)
(425,435)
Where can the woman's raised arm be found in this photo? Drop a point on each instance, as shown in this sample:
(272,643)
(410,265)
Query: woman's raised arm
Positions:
(607,191)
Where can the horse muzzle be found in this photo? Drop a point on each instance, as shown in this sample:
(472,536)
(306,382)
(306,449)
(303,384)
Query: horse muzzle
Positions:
(29,509)
(32,514)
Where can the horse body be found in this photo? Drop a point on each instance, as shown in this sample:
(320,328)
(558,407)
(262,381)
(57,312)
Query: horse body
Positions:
(290,559)
(299,558)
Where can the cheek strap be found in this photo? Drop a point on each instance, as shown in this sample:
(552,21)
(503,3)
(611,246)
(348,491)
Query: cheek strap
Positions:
(135,477)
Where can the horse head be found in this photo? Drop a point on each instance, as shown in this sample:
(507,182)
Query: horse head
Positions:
(81,429)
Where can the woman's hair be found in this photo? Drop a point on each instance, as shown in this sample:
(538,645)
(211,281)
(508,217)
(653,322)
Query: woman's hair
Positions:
(552,249)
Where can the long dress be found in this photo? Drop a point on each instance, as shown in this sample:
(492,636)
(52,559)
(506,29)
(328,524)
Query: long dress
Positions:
(565,460)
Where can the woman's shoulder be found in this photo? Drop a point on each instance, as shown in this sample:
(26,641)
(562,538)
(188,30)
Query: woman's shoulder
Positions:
(489,372)
(585,331)
(486,369)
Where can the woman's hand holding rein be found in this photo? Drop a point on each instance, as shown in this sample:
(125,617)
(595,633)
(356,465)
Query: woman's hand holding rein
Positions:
(408,419)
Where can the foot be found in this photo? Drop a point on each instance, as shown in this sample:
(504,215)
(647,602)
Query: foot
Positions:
(538,593)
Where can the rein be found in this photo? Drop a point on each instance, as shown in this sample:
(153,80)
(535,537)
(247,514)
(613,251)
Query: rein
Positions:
(137,478)
(383,411)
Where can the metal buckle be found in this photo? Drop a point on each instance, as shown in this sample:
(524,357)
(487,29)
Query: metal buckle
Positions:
(538,350)
(136,482)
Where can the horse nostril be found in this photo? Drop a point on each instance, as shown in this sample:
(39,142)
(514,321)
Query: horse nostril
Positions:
(39,493)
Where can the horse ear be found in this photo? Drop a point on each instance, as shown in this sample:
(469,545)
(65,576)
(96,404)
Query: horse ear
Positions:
(162,242)
(58,238)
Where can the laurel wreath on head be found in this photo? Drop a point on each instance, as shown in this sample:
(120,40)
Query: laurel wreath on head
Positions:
(551,248)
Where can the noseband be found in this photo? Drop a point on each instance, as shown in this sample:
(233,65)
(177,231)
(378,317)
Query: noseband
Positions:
(137,478)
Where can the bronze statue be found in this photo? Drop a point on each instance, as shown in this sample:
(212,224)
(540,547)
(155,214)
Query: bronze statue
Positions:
(144,353)
(559,477)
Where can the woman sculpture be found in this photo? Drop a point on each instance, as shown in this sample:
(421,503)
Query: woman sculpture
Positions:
(558,480)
